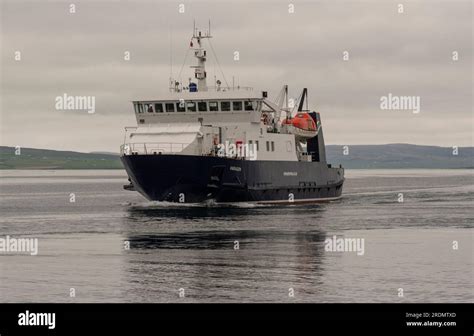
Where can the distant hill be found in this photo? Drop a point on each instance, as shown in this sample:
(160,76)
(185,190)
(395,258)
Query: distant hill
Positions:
(391,156)
(106,153)
(32,158)
(394,156)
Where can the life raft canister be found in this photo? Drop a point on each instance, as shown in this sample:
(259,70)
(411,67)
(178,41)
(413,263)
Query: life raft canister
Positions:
(303,121)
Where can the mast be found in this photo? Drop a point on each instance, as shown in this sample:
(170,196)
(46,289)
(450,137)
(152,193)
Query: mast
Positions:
(200,53)
(172,82)
(282,102)
(304,96)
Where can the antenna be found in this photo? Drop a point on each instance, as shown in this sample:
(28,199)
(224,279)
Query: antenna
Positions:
(172,81)
(171,52)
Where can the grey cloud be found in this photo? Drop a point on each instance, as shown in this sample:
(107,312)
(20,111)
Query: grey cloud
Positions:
(405,54)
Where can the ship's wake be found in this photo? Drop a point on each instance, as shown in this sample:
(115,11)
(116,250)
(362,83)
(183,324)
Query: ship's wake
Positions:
(211,203)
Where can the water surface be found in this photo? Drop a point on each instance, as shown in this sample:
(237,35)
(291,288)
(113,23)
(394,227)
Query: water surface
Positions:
(83,244)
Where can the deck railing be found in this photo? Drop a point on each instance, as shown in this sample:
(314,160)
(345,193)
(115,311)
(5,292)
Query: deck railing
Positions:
(230,88)
(216,88)
(152,148)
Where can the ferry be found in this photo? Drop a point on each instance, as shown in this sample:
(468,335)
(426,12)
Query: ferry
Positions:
(227,144)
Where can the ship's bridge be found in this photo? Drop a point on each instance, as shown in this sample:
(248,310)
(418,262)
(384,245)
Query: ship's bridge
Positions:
(203,107)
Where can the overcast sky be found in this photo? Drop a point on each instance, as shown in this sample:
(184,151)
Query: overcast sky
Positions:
(408,54)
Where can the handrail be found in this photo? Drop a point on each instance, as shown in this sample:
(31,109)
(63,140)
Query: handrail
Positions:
(220,88)
(152,148)
(225,88)
(157,148)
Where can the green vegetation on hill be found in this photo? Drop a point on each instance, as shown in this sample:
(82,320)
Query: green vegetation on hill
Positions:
(31,158)
(394,156)
(391,156)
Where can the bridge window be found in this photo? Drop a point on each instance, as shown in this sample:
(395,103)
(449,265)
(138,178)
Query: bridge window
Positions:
(248,106)
(169,107)
(237,106)
(225,106)
(140,108)
(159,108)
(213,106)
(191,106)
(181,106)
(149,108)
(202,107)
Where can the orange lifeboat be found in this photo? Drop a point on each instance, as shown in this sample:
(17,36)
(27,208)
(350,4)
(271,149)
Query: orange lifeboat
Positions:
(302,125)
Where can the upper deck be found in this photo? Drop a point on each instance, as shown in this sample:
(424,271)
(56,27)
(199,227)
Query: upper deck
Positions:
(229,105)
(223,93)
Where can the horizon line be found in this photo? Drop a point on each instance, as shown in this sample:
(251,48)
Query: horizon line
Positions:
(118,152)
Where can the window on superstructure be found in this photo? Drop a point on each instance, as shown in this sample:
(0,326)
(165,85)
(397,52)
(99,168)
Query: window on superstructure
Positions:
(202,107)
(268,146)
(273,146)
(225,106)
(159,108)
(248,106)
(191,106)
(181,106)
(140,108)
(256,143)
(237,106)
(149,108)
(213,106)
(169,107)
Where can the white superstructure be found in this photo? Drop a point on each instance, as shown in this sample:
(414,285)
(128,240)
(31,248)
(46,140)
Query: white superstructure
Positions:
(194,119)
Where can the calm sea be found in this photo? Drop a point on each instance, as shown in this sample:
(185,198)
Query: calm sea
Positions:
(100,243)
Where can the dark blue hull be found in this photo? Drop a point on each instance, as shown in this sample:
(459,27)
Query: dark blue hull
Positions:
(195,179)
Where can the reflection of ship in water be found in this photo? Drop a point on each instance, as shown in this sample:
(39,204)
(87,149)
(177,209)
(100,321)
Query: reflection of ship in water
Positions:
(201,255)
(215,240)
